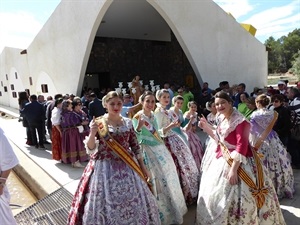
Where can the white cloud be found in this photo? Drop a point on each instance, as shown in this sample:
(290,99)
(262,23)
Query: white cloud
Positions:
(270,16)
(237,8)
(276,21)
(17,29)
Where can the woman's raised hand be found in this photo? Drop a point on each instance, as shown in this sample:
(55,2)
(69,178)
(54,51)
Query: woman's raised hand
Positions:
(93,126)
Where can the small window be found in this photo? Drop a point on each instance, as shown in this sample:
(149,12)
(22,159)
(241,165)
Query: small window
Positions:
(0,93)
(12,87)
(14,94)
(5,89)
(1,83)
(30,80)
(16,74)
(44,88)
(6,76)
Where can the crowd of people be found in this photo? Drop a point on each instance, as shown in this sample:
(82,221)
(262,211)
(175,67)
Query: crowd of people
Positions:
(147,164)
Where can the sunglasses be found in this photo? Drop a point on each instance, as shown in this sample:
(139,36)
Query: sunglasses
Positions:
(276,101)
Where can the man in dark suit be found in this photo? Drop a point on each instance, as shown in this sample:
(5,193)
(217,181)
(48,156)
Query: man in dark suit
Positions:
(95,107)
(34,112)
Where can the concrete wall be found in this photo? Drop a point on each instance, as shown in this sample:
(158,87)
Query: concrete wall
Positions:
(217,47)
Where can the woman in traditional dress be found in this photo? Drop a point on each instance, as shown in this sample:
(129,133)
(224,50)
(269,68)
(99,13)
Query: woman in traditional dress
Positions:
(77,108)
(211,117)
(8,161)
(275,156)
(190,126)
(73,150)
(228,191)
(181,154)
(177,115)
(113,188)
(158,160)
(56,133)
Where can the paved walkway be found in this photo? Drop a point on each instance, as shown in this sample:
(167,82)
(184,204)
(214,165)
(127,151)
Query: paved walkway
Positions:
(43,175)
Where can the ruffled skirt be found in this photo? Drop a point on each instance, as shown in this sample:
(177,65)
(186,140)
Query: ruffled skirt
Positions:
(110,192)
(195,147)
(186,167)
(220,203)
(165,184)
(277,162)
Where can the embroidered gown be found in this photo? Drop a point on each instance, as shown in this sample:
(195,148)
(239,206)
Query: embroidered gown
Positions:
(194,141)
(275,155)
(185,164)
(221,203)
(165,183)
(72,141)
(109,191)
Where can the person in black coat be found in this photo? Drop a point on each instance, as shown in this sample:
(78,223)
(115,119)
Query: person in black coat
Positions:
(96,108)
(34,112)
(283,123)
(23,100)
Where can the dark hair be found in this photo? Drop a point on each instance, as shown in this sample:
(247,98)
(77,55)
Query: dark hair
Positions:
(277,97)
(93,95)
(75,103)
(58,101)
(23,96)
(33,97)
(295,91)
(57,96)
(263,100)
(224,95)
(242,85)
(145,94)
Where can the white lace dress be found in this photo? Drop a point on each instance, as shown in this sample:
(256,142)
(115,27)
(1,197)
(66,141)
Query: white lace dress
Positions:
(275,159)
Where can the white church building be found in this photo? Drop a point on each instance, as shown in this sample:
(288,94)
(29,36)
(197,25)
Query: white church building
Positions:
(94,42)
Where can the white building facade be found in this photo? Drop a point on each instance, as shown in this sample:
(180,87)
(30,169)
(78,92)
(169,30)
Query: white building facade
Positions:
(216,46)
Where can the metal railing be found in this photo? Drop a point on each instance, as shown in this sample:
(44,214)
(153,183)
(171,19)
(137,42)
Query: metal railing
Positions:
(51,210)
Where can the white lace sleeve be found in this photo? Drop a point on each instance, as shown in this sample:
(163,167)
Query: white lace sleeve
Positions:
(238,157)
(90,151)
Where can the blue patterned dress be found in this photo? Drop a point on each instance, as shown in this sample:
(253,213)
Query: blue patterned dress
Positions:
(165,183)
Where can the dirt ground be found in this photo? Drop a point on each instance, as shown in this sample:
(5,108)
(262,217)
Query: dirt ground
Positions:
(274,78)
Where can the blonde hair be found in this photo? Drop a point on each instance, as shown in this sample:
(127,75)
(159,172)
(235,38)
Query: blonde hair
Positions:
(110,95)
(263,99)
(176,98)
(160,92)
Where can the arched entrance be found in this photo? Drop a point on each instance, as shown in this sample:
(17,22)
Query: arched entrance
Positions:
(134,39)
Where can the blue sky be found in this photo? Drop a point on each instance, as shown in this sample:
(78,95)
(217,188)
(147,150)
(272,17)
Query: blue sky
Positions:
(21,20)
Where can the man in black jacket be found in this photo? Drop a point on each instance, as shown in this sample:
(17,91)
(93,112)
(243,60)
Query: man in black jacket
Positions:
(34,112)
(95,107)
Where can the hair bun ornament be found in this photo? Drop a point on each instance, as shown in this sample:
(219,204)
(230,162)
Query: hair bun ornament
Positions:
(102,126)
